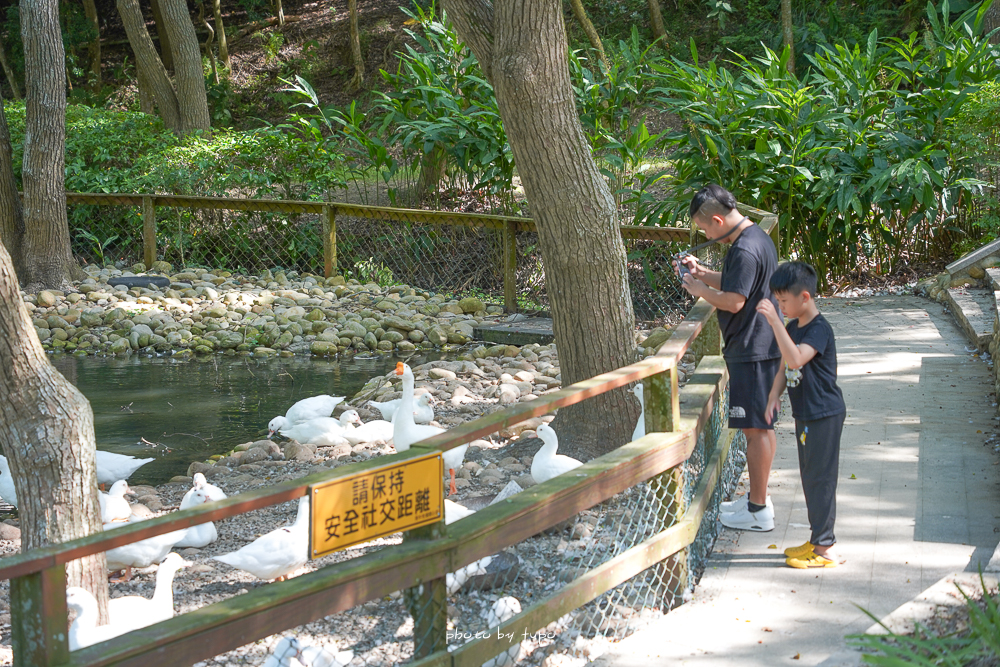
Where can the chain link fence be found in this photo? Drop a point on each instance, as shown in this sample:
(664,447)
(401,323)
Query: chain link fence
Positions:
(456,253)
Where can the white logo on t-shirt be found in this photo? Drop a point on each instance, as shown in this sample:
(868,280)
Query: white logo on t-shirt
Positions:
(736,412)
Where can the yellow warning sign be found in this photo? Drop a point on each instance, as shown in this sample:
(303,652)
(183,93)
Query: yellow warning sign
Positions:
(376,502)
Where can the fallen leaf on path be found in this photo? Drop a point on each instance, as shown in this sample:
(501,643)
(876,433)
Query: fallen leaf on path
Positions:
(772,546)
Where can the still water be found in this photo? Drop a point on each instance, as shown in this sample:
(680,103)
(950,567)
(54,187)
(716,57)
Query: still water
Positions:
(180,411)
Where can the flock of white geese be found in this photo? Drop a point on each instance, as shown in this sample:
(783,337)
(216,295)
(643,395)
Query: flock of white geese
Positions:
(282,551)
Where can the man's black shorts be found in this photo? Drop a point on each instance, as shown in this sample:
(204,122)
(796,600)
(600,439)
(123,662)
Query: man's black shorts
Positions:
(749,384)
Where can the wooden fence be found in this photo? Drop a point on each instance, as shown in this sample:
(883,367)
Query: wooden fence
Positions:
(674,420)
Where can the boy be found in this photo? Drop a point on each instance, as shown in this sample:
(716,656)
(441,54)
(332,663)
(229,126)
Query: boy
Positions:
(751,353)
(809,353)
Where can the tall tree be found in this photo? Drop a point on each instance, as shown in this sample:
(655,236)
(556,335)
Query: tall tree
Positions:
(94,48)
(521,46)
(588,28)
(357,60)
(151,72)
(788,34)
(11,213)
(45,253)
(161,35)
(47,433)
(656,22)
(192,100)
(991,21)
(220,29)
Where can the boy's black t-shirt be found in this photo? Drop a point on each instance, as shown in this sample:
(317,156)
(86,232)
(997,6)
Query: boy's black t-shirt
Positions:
(747,270)
(814,393)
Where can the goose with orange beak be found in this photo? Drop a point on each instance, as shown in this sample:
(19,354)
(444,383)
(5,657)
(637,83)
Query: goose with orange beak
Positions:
(405,431)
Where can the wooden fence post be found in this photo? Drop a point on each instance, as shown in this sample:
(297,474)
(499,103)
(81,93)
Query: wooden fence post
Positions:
(428,602)
(509,267)
(329,240)
(38,618)
(148,232)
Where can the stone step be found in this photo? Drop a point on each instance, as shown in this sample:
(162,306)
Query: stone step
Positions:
(523,331)
(975,311)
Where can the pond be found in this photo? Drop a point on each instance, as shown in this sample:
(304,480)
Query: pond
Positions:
(180,411)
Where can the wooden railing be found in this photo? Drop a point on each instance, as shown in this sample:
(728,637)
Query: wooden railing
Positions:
(674,420)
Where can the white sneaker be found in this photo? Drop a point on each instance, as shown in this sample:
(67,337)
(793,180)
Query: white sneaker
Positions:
(761,521)
(740,504)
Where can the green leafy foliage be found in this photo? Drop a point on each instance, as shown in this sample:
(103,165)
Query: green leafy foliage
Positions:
(857,157)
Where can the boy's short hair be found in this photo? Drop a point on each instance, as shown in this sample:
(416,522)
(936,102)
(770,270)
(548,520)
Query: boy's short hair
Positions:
(794,278)
(712,200)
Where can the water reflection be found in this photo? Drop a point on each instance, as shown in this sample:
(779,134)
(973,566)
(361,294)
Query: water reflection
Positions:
(187,410)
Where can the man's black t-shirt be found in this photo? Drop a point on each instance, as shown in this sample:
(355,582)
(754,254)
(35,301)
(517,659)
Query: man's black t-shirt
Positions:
(747,269)
(812,389)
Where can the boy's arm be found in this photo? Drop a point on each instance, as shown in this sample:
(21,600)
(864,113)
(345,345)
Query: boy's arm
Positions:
(794,356)
(774,398)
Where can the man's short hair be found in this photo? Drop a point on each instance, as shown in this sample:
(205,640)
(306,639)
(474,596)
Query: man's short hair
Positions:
(712,200)
(794,278)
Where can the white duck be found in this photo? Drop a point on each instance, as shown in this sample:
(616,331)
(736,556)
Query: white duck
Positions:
(454,512)
(313,407)
(455,580)
(135,612)
(502,611)
(547,464)
(112,467)
(7,491)
(286,650)
(84,631)
(322,431)
(205,533)
(373,431)
(405,431)
(640,426)
(143,553)
(323,656)
(114,507)
(423,412)
(278,553)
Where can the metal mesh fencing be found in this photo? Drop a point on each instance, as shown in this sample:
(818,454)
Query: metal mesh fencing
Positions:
(541,565)
(108,233)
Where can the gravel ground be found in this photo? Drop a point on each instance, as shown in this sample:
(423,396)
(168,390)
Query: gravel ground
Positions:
(380,632)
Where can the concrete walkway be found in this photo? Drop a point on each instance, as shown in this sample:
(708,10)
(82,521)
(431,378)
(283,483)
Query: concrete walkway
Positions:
(918,498)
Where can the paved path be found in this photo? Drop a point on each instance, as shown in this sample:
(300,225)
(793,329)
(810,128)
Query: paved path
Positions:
(918,498)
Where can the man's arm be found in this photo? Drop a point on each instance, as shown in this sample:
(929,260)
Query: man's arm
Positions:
(731,302)
(707,276)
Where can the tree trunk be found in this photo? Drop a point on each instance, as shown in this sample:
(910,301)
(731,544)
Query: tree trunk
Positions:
(220,31)
(94,48)
(433,167)
(9,73)
(45,249)
(161,35)
(523,49)
(208,41)
(11,213)
(148,64)
(47,433)
(356,59)
(656,22)
(147,102)
(595,40)
(279,13)
(46,425)
(991,21)
(188,72)
(787,34)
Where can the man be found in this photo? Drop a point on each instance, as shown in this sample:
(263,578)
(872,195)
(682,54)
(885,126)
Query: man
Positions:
(751,352)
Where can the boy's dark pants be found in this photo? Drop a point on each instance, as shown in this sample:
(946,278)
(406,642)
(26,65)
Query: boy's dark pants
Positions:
(818,444)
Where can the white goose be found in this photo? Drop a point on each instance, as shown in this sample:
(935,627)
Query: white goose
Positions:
(405,431)
(313,407)
(143,553)
(322,431)
(423,412)
(278,553)
(84,631)
(286,650)
(112,467)
(454,512)
(7,491)
(455,580)
(201,492)
(373,431)
(640,425)
(135,612)
(547,464)
(502,611)
(323,656)
(114,507)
